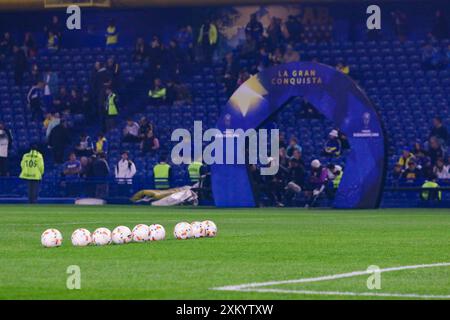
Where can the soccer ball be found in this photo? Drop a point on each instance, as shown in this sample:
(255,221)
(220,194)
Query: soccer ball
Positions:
(183,230)
(101,237)
(121,235)
(210,228)
(157,232)
(198,229)
(141,233)
(81,237)
(51,238)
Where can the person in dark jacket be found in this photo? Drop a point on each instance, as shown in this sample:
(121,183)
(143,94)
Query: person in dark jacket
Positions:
(100,172)
(58,140)
(20,65)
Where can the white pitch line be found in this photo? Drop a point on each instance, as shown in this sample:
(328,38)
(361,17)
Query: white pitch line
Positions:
(251,287)
(355,294)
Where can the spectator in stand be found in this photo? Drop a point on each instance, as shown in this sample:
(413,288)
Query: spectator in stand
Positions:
(185,38)
(175,58)
(75,102)
(412,174)
(72,167)
(84,148)
(157,93)
(441,27)
(101,145)
(345,69)
(51,81)
(431,58)
(333,146)
(6,48)
(207,39)
(124,172)
(296,180)
(99,82)
(20,65)
(401,24)
(249,48)
(439,131)
(254,28)
(111,35)
(144,126)
(35,74)
(34,99)
(276,57)
(404,159)
(86,166)
(435,150)
(50,122)
(101,171)
(55,27)
(61,102)
(131,131)
(52,42)
(294,28)
(58,141)
(274,33)
(5,146)
(263,59)
(242,77)
(113,70)
(231,69)
(140,50)
(441,170)
(293,145)
(397,174)
(150,143)
(156,57)
(29,45)
(291,55)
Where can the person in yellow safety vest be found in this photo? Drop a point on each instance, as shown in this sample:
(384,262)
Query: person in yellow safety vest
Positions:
(158,93)
(162,174)
(207,38)
(431,194)
(112,109)
(112,36)
(101,145)
(32,165)
(194,169)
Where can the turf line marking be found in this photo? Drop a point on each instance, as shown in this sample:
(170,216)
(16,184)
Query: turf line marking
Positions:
(345,293)
(253,287)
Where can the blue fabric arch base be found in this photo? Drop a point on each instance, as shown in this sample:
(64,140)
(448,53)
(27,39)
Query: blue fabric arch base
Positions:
(338,98)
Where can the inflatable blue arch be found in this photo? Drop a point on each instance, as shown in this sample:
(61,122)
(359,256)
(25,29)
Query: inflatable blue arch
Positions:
(338,98)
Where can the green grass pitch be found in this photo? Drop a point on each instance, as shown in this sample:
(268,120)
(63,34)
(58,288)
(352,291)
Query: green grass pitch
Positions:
(253,245)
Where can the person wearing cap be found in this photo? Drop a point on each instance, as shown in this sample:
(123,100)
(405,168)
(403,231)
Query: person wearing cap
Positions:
(412,174)
(333,145)
(32,166)
(317,180)
(404,159)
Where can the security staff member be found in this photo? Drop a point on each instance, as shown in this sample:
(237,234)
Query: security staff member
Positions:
(431,194)
(162,173)
(32,165)
(112,109)
(194,169)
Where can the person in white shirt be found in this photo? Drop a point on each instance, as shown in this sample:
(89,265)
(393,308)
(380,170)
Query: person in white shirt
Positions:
(441,170)
(131,131)
(125,170)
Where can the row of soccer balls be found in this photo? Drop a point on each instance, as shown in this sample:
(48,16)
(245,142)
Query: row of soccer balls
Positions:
(122,234)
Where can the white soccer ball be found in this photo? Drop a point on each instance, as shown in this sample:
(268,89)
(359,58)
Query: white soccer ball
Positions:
(141,233)
(183,230)
(198,229)
(101,237)
(121,235)
(210,228)
(81,237)
(51,238)
(157,232)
